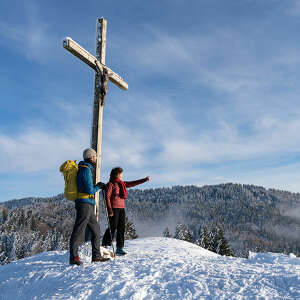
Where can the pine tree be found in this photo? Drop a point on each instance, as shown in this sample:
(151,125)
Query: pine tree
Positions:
(166,233)
(130,232)
(12,243)
(46,242)
(222,244)
(33,224)
(203,238)
(4,214)
(183,233)
(22,218)
(214,240)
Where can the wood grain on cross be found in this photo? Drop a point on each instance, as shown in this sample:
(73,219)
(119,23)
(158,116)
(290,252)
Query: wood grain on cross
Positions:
(98,64)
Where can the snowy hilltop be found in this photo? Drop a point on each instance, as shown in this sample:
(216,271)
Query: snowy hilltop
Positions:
(154,268)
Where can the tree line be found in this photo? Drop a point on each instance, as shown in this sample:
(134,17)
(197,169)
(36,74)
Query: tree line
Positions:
(45,226)
(212,239)
(251,218)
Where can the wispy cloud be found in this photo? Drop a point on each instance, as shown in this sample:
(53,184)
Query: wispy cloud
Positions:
(293,8)
(225,60)
(151,139)
(202,100)
(34,150)
(32,38)
(160,131)
(272,137)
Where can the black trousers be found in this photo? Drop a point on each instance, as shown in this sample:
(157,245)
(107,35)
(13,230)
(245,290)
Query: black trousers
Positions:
(117,223)
(85,216)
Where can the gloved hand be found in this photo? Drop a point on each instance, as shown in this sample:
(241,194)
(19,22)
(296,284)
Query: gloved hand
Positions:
(101,185)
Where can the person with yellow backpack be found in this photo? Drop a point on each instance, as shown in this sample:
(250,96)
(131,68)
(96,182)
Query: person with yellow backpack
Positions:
(82,191)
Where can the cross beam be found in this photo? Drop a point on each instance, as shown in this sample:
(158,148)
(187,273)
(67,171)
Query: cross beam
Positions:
(91,60)
(98,64)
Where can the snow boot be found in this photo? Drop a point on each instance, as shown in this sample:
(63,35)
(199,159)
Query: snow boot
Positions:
(75,261)
(120,251)
(99,258)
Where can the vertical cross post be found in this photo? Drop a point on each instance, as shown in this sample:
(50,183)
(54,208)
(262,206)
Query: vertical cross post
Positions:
(98,64)
(98,108)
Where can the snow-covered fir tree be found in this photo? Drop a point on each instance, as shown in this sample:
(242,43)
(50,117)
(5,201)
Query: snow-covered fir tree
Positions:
(167,233)
(130,231)
(222,246)
(183,233)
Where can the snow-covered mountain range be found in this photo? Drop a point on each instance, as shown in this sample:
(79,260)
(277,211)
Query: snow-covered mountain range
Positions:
(154,268)
(253,218)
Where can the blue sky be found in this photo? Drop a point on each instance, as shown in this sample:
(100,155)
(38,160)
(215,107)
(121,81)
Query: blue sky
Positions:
(213,92)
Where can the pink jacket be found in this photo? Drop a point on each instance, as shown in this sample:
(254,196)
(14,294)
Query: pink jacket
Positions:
(112,194)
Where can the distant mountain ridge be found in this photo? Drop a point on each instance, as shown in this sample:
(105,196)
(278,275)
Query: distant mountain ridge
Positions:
(252,217)
(29,201)
(292,198)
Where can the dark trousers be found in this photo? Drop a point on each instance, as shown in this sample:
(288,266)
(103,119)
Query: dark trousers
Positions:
(85,216)
(117,223)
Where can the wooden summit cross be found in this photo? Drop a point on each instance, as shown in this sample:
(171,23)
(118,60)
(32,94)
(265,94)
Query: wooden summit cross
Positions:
(102,75)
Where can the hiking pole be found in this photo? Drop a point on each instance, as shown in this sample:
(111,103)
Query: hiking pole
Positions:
(108,223)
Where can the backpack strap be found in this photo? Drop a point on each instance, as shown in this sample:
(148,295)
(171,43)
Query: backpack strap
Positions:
(83,166)
(85,195)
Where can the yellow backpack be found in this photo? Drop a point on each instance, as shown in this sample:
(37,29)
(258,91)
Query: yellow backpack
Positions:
(69,169)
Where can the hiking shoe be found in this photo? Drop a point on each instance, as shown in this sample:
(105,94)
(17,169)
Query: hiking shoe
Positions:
(75,261)
(99,258)
(120,251)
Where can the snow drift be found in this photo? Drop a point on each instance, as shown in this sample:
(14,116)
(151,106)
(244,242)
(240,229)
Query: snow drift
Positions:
(154,268)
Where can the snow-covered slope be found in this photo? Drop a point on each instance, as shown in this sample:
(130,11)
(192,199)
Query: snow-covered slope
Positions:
(155,268)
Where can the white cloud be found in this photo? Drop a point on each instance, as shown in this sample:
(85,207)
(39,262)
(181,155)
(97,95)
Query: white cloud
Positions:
(34,150)
(154,141)
(272,137)
(162,50)
(45,142)
(157,137)
(145,133)
(178,143)
(284,177)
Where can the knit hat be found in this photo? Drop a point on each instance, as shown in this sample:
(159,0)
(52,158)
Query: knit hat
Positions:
(89,153)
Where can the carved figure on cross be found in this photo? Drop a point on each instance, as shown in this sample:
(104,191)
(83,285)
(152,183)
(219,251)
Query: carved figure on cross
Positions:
(103,82)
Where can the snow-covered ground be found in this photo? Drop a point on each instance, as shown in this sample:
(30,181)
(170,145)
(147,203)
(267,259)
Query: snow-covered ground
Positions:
(154,268)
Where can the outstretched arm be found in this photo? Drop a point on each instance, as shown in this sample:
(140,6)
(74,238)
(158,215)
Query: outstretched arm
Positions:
(129,184)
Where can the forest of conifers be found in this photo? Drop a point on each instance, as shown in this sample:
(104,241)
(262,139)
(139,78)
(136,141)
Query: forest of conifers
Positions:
(251,217)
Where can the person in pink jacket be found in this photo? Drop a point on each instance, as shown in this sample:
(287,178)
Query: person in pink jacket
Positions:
(115,196)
